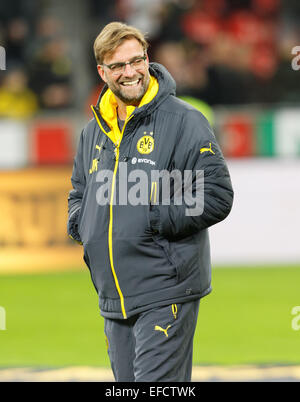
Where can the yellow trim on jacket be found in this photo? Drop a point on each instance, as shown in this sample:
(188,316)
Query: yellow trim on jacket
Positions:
(108,109)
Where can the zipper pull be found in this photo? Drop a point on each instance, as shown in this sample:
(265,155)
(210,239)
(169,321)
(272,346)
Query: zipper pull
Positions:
(174,310)
(115,146)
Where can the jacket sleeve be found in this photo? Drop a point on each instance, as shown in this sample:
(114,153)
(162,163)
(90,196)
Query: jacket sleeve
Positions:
(78,181)
(206,194)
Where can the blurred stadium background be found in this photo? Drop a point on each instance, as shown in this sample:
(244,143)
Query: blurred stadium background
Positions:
(235,60)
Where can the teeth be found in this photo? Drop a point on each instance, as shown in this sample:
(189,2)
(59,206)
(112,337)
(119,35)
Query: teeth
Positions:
(130,82)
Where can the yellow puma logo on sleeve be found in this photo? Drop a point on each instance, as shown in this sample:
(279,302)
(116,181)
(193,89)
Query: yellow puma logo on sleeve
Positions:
(158,328)
(95,161)
(94,167)
(207,149)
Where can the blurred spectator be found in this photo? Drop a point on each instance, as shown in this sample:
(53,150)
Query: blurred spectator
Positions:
(102,11)
(50,74)
(219,51)
(145,16)
(178,60)
(16,99)
(17,35)
(235,55)
(16,19)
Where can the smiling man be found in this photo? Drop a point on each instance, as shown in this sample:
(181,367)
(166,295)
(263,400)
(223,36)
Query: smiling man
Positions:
(149,262)
(124,67)
(128,81)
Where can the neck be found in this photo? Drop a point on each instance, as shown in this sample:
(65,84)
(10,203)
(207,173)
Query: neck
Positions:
(121,110)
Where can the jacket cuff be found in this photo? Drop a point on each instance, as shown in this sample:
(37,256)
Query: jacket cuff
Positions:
(154,219)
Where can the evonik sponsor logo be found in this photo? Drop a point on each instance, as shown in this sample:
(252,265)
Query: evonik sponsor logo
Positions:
(135,160)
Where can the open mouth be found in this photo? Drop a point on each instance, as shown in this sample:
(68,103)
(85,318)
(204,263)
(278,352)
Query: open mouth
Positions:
(131,83)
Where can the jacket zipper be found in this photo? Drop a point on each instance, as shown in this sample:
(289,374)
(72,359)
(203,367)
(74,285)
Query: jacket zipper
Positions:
(110,239)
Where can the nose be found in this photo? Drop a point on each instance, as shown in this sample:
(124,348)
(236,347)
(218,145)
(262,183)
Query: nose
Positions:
(128,70)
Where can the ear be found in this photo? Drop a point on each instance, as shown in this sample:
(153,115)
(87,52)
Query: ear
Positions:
(101,72)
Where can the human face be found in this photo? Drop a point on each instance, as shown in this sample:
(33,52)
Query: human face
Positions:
(130,85)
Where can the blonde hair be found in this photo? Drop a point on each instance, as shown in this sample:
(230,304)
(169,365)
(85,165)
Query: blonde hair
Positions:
(112,36)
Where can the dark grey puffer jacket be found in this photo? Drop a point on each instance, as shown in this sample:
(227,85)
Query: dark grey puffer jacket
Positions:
(153,253)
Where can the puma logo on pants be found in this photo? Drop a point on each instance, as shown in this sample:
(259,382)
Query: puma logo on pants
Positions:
(158,328)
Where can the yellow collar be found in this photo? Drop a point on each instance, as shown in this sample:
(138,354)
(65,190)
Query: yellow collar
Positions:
(108,108)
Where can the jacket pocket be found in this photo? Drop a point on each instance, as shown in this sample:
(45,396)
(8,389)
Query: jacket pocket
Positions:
(182,254)
(174,258)
(87,262)
(141,265)
(97,255)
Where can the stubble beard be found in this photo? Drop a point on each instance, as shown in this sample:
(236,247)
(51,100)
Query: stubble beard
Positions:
(125,97)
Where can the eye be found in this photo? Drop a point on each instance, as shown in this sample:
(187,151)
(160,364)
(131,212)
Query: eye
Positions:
(137,62)
(116,67)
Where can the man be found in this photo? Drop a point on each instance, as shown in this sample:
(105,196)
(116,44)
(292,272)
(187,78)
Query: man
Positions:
(148,253)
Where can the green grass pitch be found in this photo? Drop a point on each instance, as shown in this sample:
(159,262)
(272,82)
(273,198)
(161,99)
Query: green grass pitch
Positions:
(53,320)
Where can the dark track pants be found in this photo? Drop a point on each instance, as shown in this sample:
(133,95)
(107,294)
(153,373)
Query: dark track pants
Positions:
(156,345)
